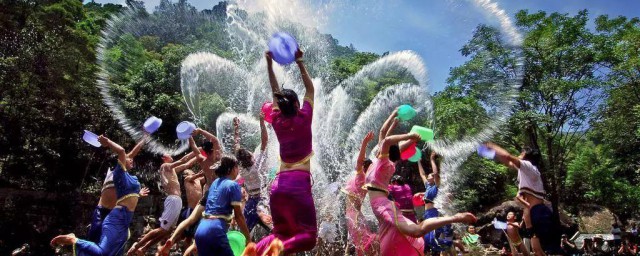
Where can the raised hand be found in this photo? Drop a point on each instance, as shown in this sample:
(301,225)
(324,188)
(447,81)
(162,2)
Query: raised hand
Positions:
(236,122)
(144,192)
(299,55)
(368,138)
(64,240)
(196,132)
(104,141)
(465,217)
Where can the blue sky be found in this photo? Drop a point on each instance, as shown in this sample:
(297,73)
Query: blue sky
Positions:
(435,29)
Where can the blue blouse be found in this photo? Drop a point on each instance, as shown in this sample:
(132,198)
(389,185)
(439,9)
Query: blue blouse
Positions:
(223,194)
(126,184)
(431,192)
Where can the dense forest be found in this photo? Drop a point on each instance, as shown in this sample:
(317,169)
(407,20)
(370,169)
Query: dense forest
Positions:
(579,103)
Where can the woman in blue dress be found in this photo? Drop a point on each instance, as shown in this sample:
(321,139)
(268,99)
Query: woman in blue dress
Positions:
(115,228)
(222,204)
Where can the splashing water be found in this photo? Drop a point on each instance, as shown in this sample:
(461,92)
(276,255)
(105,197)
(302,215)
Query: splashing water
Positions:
(338,125)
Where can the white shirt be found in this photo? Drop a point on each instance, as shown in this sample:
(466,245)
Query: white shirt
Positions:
(252,181)
(529,180)
(108,180)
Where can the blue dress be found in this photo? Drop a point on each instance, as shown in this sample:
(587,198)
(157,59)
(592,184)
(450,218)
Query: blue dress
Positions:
(115,227)
(211,235)
(441,238)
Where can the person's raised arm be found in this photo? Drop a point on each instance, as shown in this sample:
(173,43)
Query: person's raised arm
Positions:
(423,174)
(217,149)
(134,152)
(306,78)
(194,177)
(275,88)
(434,168)
(386,125)
(195,151)
(392,127)
(395,139)
(236,134)
(503,157)
(186,165)
(119,150)
(194,154)
(264,136)
(363,151)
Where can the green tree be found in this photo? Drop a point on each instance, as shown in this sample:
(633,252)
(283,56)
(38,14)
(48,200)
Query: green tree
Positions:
(560,87)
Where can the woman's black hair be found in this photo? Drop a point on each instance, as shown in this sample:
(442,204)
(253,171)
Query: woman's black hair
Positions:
(533,156)
(227,163)
(365,164)
(207,146)
(397,179)
(287,102)
(244,158)
(394,153)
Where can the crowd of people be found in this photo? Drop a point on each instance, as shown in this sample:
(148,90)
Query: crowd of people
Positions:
(622,242)
(225,193)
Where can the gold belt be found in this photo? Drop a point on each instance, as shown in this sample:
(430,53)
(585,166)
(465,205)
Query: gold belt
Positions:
(304,160)
(216,216)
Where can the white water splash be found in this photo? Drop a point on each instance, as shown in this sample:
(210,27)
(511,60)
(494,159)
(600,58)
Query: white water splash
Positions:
(338,126)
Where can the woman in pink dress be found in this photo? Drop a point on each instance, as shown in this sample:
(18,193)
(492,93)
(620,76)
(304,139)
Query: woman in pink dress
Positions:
(361,236)
(292,207)
(397,234)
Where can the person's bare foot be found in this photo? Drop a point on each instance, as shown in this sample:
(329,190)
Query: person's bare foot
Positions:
(133,249)
(465,217)
(68,239)
(140,251)
(250,250)
(276,248)
(164,250)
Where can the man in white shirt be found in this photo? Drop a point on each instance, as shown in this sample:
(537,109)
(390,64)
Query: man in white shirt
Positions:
(531,193)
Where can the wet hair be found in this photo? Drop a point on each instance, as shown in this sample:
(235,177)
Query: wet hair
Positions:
(394,153)
(398,180)
(532,155)
(365,165)
(244,158)
(207,146)
(287,100)
(226,165)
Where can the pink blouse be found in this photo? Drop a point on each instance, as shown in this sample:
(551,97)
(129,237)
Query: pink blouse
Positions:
(294,133)
(379,174)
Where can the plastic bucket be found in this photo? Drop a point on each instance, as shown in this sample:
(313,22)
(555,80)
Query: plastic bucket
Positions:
(408,152)
(417,156)
(426,134)
(152,124)
(184,129)
(267,109)
(91,138)
(406,112)
(486,152)
(283,47)
(237,241)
